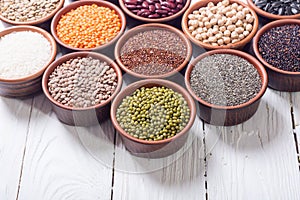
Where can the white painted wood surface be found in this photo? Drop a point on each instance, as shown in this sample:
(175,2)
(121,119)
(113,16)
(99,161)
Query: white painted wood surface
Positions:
(41,158)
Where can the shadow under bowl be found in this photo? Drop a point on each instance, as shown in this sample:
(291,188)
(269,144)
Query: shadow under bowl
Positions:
(228,115)
(77,4)
(203,3)
(153,149)
(28,85)
(149,27)
(81,116)
(278,79)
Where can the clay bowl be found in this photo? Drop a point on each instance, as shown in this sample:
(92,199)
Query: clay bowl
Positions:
(38,21)
(228,115)
(270,15)
(27,85)
(148,27)
(77,4)
(81,116)
(203,3)
(153,149)
(278,79)
(154,20)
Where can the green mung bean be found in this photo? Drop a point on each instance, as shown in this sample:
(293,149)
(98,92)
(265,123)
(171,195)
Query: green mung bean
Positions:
(153,114)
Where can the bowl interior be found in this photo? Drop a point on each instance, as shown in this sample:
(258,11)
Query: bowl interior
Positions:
(37,30)
(259,67)
(151,83)
(270,15)
(149,27)
(77,4)
(67,57)
(164,19)
(38,21)
(263,30)
(199,4)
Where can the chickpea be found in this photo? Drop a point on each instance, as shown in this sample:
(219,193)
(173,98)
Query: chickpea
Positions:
(219,4)
(227,33)
(206,41)
(234,6)
(207,24)
(210,15)
(196,12)
(246,10)
(205,19)
(240,15)
(191,16)
(220,42)
(214,10)
(231,27)
(234,19)
(246,33)
(205,29)
(222,28)
(249,27)
(234,35)
(202,10)
(228,22)
(198,37)
(226,40)
(235,41)
(209,33)
(241,36)
(213,21)
(239,23)
(215,31)
(233,12)
(194,23)
(249,18)
(214,44)
(229,14)
(191,28)
(225,2)
(239,30)
(240,8)
(199,30)
(216,27)
(200,24)
(218,16)
(221,22)
(210,5)
(203,36)
(194,33)
(225,10)
(212,39)
(219,35)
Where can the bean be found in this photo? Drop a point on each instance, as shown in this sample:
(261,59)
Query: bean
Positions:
(152,16)
(145,4)
(158,6)
(130,2)
(161,11)
(130,7)
(152,8)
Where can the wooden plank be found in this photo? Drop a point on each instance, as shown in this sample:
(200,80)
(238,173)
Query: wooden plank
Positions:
(257,159)
(57,165)
(14,115)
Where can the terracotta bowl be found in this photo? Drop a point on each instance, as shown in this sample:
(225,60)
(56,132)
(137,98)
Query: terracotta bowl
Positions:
(228,115)
(155,20)
(153,149)
(77,4)
(278,79)
(270,15)
(203,3)
(28,85)
(152,26)
(38,21)
(81,116)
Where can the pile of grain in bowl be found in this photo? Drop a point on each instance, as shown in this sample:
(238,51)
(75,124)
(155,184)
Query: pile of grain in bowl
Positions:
(26,11)
(225,80)
(221,24)
(82,82)
(23,53)
(153,113)
(153,52)
(88,26)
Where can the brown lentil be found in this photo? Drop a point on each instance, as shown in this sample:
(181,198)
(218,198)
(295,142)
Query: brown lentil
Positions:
(153,52)
(88,26)
(82,82)
(154,113)
(225,80)
(26,10)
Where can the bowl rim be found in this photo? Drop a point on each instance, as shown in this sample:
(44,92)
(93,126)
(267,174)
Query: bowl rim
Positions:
(164,19)
(46,35)
(75,5)
(266,28)
(202,3)
(259,67)
(161,82)
(69,56)
(38,21)
(270,15)
(152,26)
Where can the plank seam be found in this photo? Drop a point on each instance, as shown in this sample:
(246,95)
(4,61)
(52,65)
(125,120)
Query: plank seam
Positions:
(294,132)
(24,151)
(113,166)
(205,162)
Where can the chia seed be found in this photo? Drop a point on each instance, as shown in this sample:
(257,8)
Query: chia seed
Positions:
(280,47)
(225,80)
(153,52)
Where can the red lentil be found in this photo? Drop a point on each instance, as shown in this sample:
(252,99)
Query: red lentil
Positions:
(88,26)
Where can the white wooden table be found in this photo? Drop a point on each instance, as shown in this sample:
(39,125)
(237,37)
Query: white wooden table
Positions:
(41,158)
